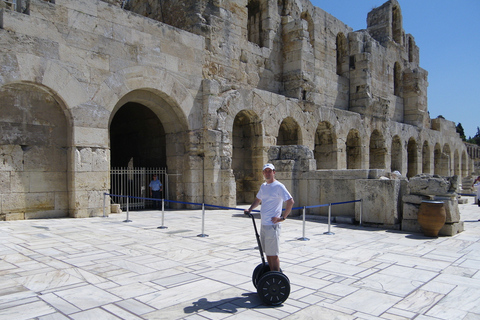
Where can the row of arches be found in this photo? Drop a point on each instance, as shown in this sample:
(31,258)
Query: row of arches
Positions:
(331,151)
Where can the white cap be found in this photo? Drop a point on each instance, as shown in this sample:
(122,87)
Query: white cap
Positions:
(269,166)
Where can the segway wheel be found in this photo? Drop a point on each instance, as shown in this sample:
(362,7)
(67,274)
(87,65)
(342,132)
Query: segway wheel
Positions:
(258,272)
(273,288)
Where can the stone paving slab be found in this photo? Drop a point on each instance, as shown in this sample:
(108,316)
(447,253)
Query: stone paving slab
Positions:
(105,268)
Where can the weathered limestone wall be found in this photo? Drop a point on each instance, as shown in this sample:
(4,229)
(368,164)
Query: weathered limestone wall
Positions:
(225,81)
(86,56)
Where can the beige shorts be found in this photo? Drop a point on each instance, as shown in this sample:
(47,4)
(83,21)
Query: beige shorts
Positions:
(270,239)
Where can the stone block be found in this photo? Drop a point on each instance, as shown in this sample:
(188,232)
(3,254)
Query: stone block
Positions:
(283,165)
(20,181)
(92,180)
(415,199)
(48,181)
(61,200)
(49,214)
(14,216)
(12,158)
(91,137)
(428,185)
(411,225)
(42,158)
(451,209)
(451,229)
(4,181)
(380,201)
(410,210)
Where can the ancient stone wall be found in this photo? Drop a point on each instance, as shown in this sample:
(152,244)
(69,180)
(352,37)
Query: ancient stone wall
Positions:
(216,85)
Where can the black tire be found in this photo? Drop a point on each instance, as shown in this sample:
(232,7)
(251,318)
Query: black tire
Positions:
(258,272)
(273,288)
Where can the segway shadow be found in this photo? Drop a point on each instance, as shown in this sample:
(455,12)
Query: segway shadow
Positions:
(273,287)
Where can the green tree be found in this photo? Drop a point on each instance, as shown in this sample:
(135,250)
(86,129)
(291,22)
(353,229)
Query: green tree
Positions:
(476,138)
(461,132)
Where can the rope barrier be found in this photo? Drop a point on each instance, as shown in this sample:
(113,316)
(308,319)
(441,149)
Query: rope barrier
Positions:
(467,194)
(203,205)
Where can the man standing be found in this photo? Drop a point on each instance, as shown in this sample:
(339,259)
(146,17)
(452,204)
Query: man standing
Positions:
(271,195)
(476,184)
(156,189)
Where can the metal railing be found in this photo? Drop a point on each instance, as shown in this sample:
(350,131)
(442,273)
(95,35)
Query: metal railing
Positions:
(203,205)
(135,182)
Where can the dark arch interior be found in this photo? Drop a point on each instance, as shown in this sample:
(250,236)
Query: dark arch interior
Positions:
(137,136)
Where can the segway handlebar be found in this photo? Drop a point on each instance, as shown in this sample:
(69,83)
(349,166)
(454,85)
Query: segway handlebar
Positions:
(246,212)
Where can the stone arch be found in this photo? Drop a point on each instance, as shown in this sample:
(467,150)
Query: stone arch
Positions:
(410,49)
(447,160)
(247,158)
(440,165)
(255,21)
(325,151)
(464,165)
(397,24)
(426,157)
(397,79)
(456,163)
(150,108)
(310,25)
(35,142)
(289,132)
(342,53)
(137,82)
(412,158)
(354,150)
(378,151)
(397,154)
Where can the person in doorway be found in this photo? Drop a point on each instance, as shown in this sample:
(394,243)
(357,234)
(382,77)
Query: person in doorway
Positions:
(156,189)
(271,196)
(476,184)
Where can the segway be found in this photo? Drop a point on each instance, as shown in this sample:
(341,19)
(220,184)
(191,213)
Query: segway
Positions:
(273,287)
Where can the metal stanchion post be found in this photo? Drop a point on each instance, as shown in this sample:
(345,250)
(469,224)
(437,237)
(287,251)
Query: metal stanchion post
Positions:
(303,238)
(329,219)
(163,216)
(361,210)
(104,197)
(128,220)
(203,235)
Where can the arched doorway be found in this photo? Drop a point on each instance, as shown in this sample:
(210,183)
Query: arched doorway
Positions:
(247,155)
(289,133)
(148,133)
(396,164)
(138,153)
(354,150)
(426,157)
(325,152)
(456,163)
(137,137)
(377,150)
(34,143)
(412,158)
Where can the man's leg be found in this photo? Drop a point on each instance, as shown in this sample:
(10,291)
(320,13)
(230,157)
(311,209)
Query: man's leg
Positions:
(274,263)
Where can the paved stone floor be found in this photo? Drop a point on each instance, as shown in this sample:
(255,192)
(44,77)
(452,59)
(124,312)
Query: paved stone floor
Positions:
(105,268)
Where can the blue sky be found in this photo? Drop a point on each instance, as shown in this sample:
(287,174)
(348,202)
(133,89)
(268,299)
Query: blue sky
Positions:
(448,35)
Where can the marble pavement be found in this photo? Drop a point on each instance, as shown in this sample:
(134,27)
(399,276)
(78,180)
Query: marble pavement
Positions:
(105,268)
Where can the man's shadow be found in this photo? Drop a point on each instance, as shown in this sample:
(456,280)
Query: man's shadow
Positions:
(229,305)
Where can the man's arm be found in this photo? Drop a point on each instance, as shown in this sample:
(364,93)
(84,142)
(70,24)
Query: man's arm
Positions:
(255,204)
(288,208)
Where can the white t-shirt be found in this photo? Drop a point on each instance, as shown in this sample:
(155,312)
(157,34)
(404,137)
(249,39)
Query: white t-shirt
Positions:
(272,195)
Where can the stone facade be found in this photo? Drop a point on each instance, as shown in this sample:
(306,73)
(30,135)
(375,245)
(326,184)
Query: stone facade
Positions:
(223,87)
